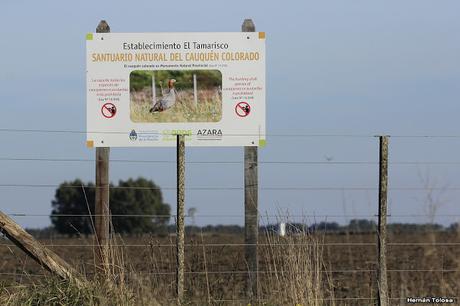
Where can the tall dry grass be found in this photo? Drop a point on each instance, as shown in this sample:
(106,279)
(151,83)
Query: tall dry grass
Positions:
(293,275)
(53,291)
(296,273)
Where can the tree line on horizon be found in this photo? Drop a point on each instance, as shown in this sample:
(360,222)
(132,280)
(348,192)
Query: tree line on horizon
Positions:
(291,228)
(137,207)
(362,226)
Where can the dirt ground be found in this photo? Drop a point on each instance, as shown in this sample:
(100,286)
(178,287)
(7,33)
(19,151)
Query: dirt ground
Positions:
(418,264)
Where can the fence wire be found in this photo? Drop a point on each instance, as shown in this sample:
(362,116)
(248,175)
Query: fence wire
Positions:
(282,162)
(340,135)
(236,272)
(200,245)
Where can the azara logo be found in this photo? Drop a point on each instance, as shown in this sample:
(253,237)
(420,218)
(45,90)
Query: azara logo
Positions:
(133,135)
(209,132)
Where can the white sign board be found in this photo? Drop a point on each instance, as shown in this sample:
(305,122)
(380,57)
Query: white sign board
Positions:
(145,88)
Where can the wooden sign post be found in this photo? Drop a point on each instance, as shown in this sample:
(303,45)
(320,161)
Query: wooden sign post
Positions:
(180,227)
(102,210)
(382,232)
(251,211)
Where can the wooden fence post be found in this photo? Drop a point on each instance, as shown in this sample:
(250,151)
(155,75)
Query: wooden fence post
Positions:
(102,210)
(180,227)
(38,252)
(382,231)
(251,218)
(251,211)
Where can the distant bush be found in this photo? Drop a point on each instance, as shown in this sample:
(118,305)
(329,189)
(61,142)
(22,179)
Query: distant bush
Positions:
(131,198)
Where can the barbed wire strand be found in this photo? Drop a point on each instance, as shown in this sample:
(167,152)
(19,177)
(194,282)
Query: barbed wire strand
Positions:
(345,135)
(201,162)
(259,271)
(261,216)
(48,131)
(362,188)
(232,300)
(249,244)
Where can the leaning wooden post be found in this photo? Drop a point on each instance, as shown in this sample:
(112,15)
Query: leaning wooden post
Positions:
(180,227)
(38,252)
(382,233)
(251,212)
(102,211)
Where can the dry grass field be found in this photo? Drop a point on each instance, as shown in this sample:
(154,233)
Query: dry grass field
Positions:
(332,269)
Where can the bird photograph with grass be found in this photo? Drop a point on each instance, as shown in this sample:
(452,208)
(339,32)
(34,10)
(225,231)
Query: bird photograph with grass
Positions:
(176,96)
(168,99)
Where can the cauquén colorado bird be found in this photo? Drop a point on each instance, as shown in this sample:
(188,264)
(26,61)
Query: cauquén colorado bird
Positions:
(168,99)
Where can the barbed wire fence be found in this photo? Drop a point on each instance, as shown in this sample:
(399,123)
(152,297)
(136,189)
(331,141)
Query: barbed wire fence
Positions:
(283,162)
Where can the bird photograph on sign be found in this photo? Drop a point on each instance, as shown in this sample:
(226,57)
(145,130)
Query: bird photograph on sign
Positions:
(175,96)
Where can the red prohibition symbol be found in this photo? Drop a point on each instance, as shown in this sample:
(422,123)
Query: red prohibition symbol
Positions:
(108,110)
(242,109)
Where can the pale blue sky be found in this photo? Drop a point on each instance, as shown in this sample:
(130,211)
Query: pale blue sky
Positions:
(333,67)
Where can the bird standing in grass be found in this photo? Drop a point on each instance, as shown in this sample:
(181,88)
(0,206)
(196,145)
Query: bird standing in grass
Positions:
(168,99)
